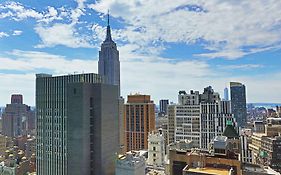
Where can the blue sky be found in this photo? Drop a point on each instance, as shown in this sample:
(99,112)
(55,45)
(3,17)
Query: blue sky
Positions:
(165,46)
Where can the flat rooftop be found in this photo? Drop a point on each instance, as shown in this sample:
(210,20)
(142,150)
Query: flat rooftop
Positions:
(209,170)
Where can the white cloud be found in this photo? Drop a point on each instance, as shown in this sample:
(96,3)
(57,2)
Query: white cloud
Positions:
(17,32)
(3,34)
(240,66)
(228,29)
(61,34)
(18,12)
(161,78)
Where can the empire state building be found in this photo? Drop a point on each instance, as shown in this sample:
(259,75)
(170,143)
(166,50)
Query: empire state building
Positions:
(109,65)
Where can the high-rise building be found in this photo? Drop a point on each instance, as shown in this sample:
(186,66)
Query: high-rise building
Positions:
(139,119)
(18,118)
(226,95)
(238,103)
(198,117)
(109,65)
(163,105)
(92,128)
(52,117)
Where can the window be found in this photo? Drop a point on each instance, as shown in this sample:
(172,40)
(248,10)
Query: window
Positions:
(154,148)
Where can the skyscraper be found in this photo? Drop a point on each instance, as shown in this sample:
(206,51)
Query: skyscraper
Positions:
(18,118)
(139,119)
(92,128)
(163,104)
(52,117)
(238,102)
(226,95)
(109,65)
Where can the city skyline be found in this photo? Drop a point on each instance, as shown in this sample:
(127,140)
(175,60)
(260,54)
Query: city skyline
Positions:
(169,47)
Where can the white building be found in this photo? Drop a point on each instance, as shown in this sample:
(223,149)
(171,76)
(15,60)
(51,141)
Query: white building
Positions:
(246,153)
(132,163)
(156,149)
(198,117)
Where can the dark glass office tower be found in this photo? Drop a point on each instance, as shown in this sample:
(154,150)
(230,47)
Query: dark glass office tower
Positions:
(238,103)
(52,116)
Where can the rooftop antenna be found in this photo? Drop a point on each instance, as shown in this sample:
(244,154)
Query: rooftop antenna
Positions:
(108,17)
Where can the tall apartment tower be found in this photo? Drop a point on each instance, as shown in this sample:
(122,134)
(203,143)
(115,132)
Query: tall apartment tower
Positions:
(52,117)
(17,117)
(238,103)
(109,65)
(139,119)
(163,104)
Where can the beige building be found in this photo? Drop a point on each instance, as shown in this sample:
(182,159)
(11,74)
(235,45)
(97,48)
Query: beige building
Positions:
(156,149)
(139,120)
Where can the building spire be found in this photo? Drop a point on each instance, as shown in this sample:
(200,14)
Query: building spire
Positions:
(108,17)
(108,32)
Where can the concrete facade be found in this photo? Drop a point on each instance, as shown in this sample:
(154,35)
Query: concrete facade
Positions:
(92,124)
(52,115)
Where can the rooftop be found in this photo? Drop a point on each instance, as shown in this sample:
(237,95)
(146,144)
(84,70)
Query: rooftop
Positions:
(208,170)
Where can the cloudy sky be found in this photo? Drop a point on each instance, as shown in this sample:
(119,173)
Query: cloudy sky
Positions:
(165,46)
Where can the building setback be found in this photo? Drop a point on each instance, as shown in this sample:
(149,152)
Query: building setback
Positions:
(139,119)
(52,117)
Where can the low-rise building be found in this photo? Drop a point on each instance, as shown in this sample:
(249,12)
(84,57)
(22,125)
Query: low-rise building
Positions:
(132,163)
(156,149)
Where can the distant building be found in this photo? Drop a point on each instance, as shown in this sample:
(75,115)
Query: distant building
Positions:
(18,119)
(226,94)
(132,163)
(139,118)
(156,149)
(266,150)
(259,126)
(238,103)
(198,117)
(163,104)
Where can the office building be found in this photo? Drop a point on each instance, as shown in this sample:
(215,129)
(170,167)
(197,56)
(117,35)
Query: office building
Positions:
(52,118)
(198,117)
(92,128)
(163,105)
(109,64)
(18,118)
(238,103)
(139,119)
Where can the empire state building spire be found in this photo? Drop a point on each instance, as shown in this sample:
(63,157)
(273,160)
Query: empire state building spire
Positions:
(109,64)
(108,31)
